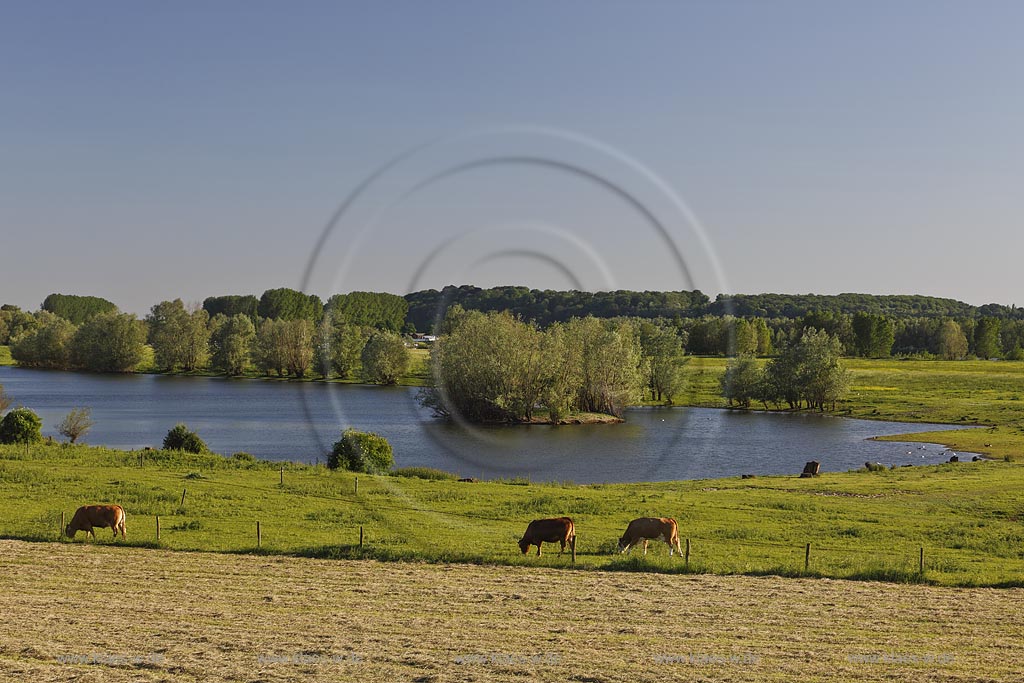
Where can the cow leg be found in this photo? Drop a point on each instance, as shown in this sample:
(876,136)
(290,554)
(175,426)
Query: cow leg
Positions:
(563,547)
(645,547)
(92,533)
(668,542)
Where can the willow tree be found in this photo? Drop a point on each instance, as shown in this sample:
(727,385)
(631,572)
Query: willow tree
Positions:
(384,358)
(231,341)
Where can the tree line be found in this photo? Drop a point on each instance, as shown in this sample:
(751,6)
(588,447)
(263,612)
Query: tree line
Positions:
(806,373)
(871,326)
(864,335)
(185,339)
(866,325)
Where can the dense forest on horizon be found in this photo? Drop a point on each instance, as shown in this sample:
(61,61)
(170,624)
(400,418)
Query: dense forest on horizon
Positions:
(867,325)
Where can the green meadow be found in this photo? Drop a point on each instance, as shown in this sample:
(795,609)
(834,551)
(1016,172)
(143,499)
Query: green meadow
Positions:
(868,525)
(861,525)
(971,393)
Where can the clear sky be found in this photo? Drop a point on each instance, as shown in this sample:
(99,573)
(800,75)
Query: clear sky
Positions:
(159,150)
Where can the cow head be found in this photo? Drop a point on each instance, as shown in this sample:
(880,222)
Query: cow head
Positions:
(524,545)
(624,544)
(69,532)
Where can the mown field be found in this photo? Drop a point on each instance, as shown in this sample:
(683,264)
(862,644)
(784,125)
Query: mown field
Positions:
(966,516)
(100,613)
(989,393)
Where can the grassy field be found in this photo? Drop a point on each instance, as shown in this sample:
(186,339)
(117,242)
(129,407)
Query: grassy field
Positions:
(966,516)
(5,355)
(88,613)
(972,393)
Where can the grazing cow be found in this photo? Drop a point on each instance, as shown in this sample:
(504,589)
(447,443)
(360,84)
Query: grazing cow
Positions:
(102,516)
(647,528)
(558,530)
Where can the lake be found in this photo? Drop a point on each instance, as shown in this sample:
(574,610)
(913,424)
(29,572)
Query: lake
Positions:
(300,420)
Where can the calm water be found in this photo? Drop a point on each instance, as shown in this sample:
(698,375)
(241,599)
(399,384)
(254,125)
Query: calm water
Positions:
(293,421)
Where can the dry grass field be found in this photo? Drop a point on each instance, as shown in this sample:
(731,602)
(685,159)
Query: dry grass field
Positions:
(100,613)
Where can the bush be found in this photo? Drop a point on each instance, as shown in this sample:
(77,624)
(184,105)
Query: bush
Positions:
(76,424)
(430,473)
(358,451)
(21,426)
(181,439)
(242,456)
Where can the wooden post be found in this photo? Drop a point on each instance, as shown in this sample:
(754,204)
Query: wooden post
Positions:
(921,562)
(140,458)
(62,524)
(282,475)
(807,558)
(360,536)
(357,486)
(259,535)
(572,544)
(182,504)
(687,552)
(158,528)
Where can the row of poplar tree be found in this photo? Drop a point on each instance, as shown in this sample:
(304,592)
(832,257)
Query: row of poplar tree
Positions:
(190,340)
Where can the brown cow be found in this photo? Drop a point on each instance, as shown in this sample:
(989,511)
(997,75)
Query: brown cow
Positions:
(647,528)
(101,516)
(557,530)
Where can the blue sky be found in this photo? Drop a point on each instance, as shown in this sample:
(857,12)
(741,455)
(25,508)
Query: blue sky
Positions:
(177,150)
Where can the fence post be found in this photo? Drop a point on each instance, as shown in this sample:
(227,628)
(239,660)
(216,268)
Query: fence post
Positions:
(572,545)
(357,486)
(182,504)
(158,528)
(921,562)
(360,535)
(687,552)
(259,535)
(282,475)
(62,524)
(140,458)
(807,558)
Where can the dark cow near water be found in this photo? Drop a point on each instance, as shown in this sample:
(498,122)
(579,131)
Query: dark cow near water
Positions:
(88,517)
(558,530)
(647,528)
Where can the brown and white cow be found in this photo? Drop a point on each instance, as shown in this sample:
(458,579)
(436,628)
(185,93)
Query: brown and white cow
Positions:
(88,517)
(647,528)
(557,530)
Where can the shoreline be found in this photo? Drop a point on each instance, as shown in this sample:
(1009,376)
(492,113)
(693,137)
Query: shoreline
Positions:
(962,435)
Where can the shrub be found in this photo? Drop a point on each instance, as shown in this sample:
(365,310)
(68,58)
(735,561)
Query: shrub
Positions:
(242,456)
(430,473)
(21,426)
(76,424)
(358,451)
(181,439)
